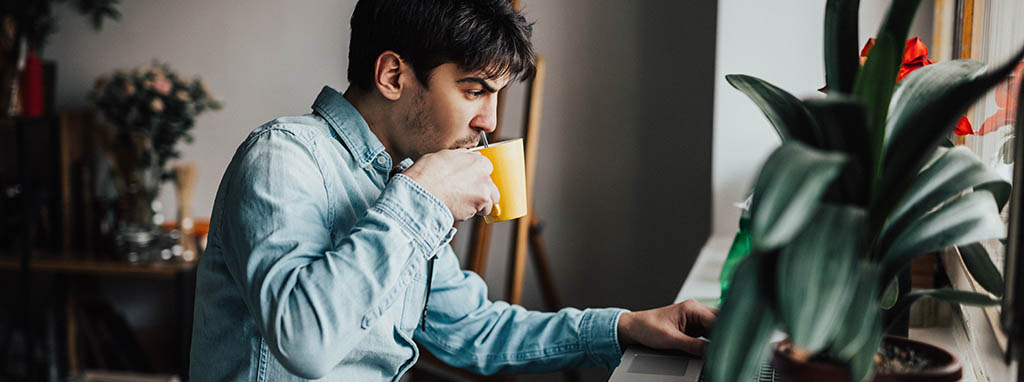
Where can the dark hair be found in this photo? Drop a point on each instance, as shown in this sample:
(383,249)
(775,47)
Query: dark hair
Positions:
(486,35)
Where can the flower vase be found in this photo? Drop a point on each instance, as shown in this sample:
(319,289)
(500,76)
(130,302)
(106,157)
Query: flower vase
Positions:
(138,173)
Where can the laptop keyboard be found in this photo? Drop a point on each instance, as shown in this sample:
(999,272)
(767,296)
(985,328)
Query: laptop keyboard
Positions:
(766,374)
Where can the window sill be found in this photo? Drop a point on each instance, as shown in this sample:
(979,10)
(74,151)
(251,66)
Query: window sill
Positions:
(969,334)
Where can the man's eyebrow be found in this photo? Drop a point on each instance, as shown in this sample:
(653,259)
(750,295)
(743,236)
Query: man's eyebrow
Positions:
(478,80)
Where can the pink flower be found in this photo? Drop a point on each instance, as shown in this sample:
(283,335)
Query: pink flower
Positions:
(162,85)
(157,105)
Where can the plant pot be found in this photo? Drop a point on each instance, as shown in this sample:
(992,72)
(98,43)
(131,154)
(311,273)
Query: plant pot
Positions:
(790,368)
(944,366)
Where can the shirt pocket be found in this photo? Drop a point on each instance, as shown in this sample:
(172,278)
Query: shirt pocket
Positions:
(415,296)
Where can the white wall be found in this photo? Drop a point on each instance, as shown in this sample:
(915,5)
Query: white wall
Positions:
(779,41)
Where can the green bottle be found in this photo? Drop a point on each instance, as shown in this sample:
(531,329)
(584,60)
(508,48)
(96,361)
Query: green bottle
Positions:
(739,250)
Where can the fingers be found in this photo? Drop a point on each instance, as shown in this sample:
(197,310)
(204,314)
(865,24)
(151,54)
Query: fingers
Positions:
(702,316)
(495,194)
(694,346)
(698,319)
(487,163)
(485,210)
(490,194)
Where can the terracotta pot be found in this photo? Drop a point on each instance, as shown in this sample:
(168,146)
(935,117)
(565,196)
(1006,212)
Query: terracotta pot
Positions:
(791,369)
(788,368)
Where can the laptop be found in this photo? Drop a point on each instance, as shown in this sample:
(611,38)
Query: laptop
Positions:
(640,364)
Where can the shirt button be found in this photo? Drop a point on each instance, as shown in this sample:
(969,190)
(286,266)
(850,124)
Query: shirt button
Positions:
(381,160)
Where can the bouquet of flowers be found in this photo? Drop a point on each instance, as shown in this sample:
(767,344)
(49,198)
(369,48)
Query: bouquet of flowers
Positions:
(153,103)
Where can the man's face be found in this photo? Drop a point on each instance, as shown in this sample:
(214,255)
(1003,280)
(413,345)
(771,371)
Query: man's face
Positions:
(452,112)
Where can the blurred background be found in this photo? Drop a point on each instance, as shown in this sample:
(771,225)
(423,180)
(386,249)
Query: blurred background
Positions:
(643,149)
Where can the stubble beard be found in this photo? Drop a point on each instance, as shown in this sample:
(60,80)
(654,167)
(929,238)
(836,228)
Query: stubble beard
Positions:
(420,131)
(424,135)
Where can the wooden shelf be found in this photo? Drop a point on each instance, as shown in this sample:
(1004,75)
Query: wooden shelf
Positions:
(72,264)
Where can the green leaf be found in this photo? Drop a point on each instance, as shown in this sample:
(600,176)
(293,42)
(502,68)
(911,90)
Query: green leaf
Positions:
(786,113)
(892,293)
(876,80)
(817,275)
(745,324)
(860,331)
(954,296)
(842,125)
(955,171)
(926,105)
(970,219)
(788,191)
(979,264)
(841,121)
(874,88)
(842,60)
(862,363)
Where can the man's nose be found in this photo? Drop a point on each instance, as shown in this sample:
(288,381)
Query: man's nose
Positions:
(487,118)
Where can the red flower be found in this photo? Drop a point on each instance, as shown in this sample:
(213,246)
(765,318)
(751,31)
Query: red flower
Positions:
(915,56)
(963,127)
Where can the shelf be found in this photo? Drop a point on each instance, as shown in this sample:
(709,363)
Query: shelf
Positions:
(71,264)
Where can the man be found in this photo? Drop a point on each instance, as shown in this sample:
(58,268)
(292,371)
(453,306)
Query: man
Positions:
(328,251)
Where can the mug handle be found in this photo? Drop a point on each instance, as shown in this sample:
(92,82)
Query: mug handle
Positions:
(496,211)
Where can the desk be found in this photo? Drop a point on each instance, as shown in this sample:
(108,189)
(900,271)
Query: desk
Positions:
(182,274)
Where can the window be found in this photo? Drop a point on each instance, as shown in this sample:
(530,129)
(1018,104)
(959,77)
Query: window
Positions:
(989,31)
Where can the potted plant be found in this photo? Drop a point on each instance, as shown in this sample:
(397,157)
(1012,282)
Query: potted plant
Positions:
(863,183)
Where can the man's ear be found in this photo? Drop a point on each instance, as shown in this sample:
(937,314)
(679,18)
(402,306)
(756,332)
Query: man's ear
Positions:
(387,75)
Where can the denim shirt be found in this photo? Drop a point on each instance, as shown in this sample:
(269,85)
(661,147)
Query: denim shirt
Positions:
(317,268)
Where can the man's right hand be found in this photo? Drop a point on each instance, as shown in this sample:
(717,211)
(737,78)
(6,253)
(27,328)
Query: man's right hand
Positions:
(460,179)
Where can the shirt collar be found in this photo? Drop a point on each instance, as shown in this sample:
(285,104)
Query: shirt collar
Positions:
(350,126)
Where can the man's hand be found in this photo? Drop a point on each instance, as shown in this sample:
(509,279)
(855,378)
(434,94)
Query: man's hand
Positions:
(675,326)
(459,178)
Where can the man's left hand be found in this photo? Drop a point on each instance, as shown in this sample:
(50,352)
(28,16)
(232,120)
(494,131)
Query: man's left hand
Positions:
(676,326)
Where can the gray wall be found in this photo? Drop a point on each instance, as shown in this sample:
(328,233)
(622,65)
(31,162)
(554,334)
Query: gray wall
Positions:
(624,176)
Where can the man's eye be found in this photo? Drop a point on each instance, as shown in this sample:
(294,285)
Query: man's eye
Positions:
(475,93)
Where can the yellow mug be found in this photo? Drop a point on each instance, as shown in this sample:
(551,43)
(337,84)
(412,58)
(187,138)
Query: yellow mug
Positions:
(509,176)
